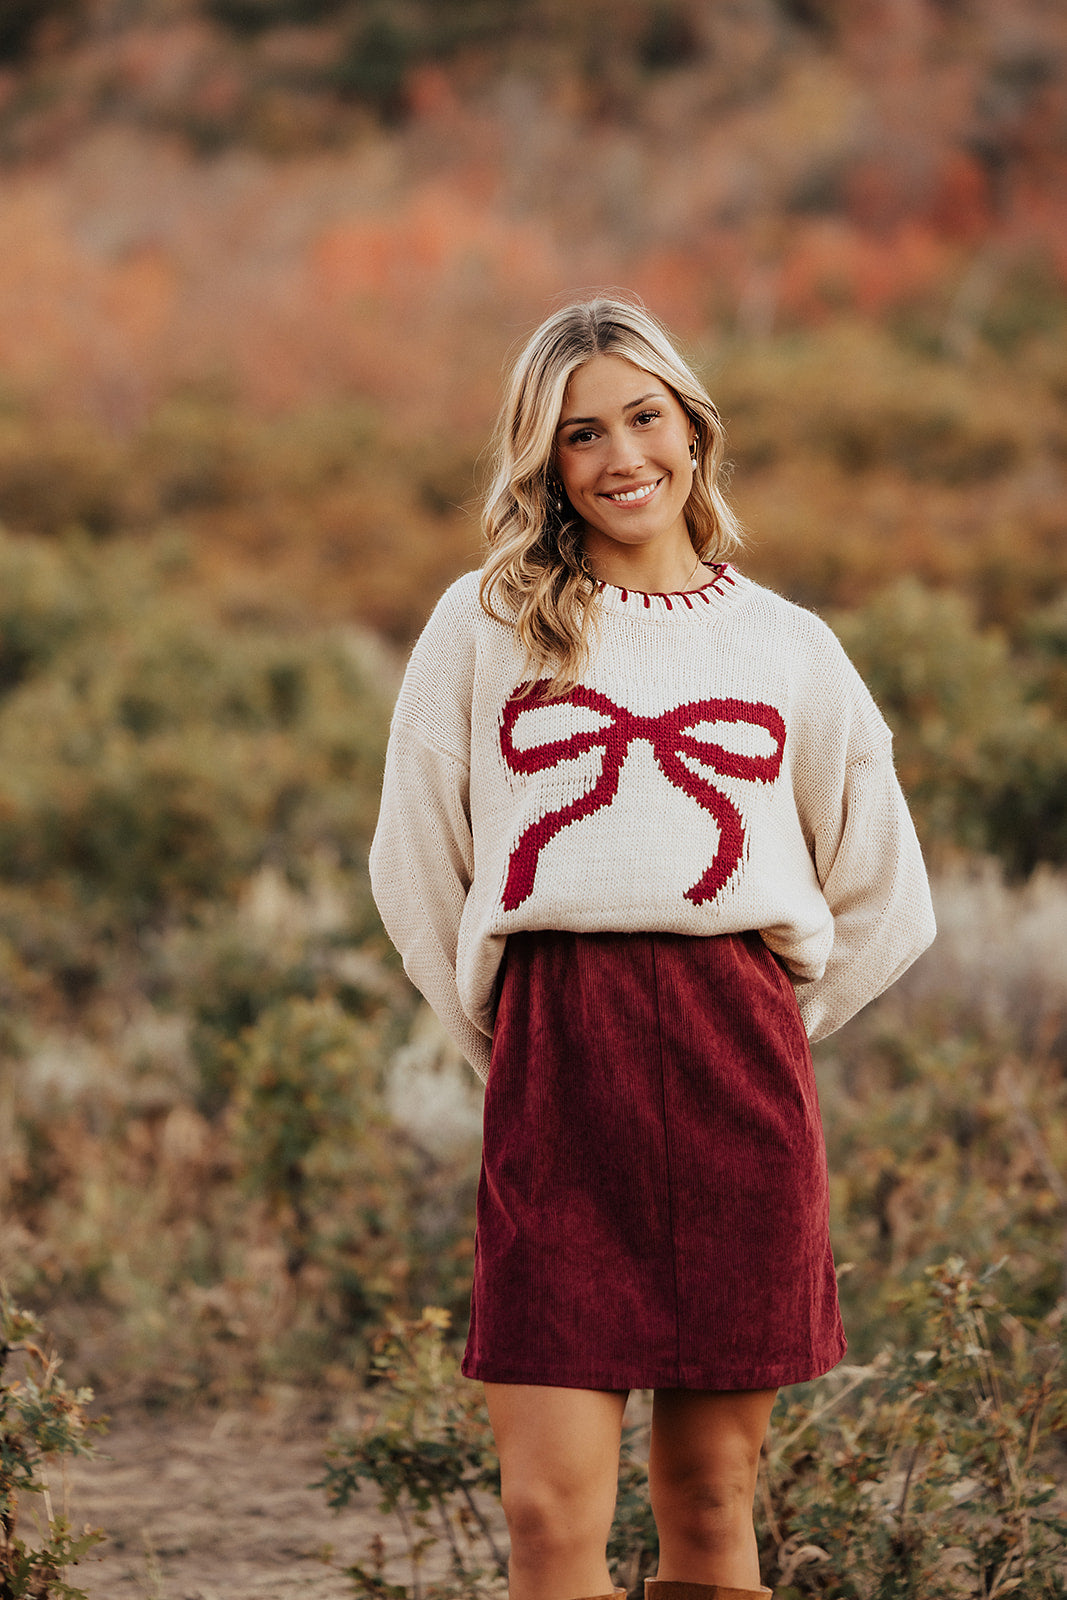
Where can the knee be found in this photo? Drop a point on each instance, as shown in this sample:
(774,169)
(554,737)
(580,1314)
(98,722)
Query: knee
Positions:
(706,1513)
(548,1520)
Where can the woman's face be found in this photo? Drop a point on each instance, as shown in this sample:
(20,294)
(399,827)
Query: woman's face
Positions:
(623,457)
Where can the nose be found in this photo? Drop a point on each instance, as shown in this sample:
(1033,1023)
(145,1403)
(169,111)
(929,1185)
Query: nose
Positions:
(625,455)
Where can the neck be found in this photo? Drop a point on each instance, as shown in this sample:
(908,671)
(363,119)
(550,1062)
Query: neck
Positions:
(650,571)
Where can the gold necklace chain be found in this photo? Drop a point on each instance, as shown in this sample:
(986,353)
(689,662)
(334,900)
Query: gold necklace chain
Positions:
(691,576)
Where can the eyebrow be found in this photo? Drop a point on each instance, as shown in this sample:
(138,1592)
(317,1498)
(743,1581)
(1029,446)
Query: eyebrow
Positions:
(632,405)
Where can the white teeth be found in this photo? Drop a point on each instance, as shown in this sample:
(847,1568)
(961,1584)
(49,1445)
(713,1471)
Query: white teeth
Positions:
(631,495)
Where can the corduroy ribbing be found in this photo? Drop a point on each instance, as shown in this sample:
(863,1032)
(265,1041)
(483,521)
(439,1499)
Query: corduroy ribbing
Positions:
(652,1210)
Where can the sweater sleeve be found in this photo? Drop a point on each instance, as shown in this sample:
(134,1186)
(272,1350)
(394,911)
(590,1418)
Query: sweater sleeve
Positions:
(869,864)
(422,855)
(421,864)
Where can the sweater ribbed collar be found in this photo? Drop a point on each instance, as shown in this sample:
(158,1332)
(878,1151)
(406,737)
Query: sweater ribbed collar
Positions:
(719,594)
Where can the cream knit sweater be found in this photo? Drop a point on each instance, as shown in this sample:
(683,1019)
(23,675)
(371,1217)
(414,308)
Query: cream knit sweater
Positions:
(720,768)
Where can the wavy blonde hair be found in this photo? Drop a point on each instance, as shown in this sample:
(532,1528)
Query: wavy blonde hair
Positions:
(535,571)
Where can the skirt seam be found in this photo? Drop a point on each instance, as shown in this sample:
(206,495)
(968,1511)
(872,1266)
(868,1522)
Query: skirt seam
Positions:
(668,1176)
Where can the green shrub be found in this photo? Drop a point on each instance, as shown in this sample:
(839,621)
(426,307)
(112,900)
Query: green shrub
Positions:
(981,760)
(40,1419)
(228,982)
(859,401)
(312,1142)
(431,1458)
(669,39)
(152,757)
(375,64)
(929,1472)
(945,1112)
(55,478)
(185,808)
(45,603)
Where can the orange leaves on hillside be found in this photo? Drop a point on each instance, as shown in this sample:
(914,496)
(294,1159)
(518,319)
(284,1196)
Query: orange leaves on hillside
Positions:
(834,265)
(682,284)
(400,264)
(438,232)
(139,297)
(962,203)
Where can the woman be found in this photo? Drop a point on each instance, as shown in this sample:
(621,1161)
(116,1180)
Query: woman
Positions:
(640,839)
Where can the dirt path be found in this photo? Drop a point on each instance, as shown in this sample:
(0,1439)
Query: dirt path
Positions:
(216,1508)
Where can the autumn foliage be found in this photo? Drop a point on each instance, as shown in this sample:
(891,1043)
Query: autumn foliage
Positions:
(260,264)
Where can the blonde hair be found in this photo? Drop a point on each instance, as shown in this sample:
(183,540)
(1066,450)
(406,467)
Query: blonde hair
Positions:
(535,570)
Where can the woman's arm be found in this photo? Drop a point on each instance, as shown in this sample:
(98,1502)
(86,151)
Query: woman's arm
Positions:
(869,864)
(421,864)
(422,857)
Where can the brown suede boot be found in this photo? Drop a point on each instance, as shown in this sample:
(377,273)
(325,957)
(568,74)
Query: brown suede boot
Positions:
(668,1589)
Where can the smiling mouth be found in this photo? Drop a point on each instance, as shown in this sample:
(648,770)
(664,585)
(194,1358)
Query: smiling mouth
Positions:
(633,497)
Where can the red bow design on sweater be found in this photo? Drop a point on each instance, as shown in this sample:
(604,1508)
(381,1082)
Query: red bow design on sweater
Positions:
(670,737)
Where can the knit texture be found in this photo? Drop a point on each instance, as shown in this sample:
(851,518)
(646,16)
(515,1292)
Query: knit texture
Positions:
(720,768)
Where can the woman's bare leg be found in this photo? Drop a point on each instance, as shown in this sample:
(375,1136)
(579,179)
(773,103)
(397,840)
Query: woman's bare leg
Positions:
(703,1460)
(559,1472)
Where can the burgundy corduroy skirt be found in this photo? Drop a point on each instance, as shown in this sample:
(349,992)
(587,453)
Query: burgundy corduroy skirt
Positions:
(652,1210)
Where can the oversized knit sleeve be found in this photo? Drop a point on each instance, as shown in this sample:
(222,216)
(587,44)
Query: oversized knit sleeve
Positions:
(867,859)
(422,855)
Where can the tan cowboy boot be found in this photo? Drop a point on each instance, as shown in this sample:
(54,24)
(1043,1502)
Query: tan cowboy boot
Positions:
(668,1589)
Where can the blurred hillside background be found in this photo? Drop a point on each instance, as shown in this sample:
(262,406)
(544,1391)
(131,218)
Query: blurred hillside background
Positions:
(261,262)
